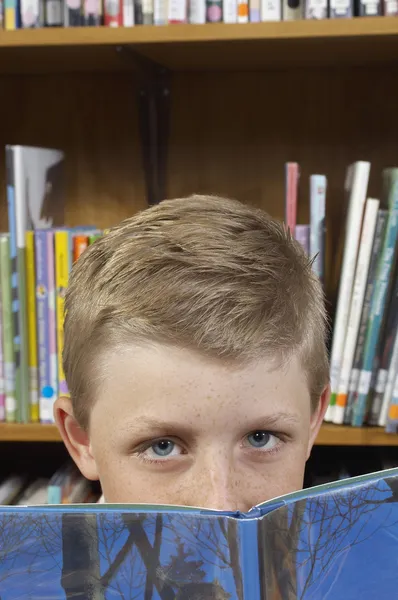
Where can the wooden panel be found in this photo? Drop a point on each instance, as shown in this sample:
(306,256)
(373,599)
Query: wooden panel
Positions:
(197,47)
(232,134)
(94,120)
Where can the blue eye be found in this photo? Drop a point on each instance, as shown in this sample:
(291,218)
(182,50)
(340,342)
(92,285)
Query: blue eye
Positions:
(259,439)
(163,447)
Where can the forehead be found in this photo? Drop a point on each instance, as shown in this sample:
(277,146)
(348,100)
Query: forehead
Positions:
(159,378)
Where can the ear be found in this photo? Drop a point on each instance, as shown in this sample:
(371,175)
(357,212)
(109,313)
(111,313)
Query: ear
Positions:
(317,417)
(75,438)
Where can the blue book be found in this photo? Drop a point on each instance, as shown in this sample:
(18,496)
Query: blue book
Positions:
(308,545)
(378,303)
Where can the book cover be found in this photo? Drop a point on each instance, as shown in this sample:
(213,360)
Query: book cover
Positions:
(304,546)
(35,196)
(32,328)
(11,409)
(356,185)
(214,11)
(383,281)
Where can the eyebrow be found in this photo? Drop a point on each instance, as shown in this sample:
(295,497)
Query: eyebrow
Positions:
(171,427)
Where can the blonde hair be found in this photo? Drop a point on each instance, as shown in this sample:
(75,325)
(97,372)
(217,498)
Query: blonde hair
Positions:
(206,273)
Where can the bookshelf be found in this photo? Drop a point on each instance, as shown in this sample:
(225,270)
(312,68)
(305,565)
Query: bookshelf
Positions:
(330,435)
(211,47)
(244,99)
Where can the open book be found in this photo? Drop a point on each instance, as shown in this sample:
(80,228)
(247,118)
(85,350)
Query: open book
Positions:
(337,541)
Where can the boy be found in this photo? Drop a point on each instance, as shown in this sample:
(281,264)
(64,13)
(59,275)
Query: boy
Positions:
(195,358)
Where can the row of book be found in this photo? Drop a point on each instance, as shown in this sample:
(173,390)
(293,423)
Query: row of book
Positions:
(127,13)
(66,486)
(36,257)
(364,352)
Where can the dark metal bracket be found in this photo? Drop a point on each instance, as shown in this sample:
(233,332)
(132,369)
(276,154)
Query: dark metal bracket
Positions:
(154,121)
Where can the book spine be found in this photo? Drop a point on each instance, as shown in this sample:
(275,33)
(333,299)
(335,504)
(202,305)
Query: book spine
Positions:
(80,243)
(391,425)
(316,9)
(390,388)
(358,293)
(356,185)
(138,12)
(302,236)
(214,11)
(32,332)
(197,11)
(113,13)
(54,13)
(254,11)
(2,375)
(293,10)
(376,394)
(178,10)
(318,184)
(128,12)
(62,267)
(271,10)
(230,11)
(147,11)
(243,11)
(92,13)
(369,8)
(73,13)
(16,198)
(43,327)
(291,193)
(12,15)
(8,333)
(31,16)
(378,306)
(341,9)
(390,8)
(52,321)
(370,284)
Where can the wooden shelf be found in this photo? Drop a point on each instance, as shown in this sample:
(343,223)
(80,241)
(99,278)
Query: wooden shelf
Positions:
(330,435)
(253,46)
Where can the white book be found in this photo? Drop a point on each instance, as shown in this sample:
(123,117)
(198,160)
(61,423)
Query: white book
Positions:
(356,186)
(318,185)
(160,12)
(358,294)
(389,388)
(271,10)
(197,11)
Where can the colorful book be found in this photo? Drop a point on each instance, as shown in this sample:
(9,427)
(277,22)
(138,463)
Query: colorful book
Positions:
(302,235)
(370,284)
(35,194)
(318,185)
(356,187)
(11,409)
(63,263)
(374,328)
(292,174)
(354,317)
(46,328)
(306,545)
(32,327)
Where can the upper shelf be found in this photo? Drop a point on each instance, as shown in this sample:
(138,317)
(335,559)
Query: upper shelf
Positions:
(335,42)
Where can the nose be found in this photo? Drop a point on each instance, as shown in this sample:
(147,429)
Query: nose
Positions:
(214,484)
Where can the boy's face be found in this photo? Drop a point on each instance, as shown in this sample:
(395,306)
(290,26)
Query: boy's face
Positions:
(170,427)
